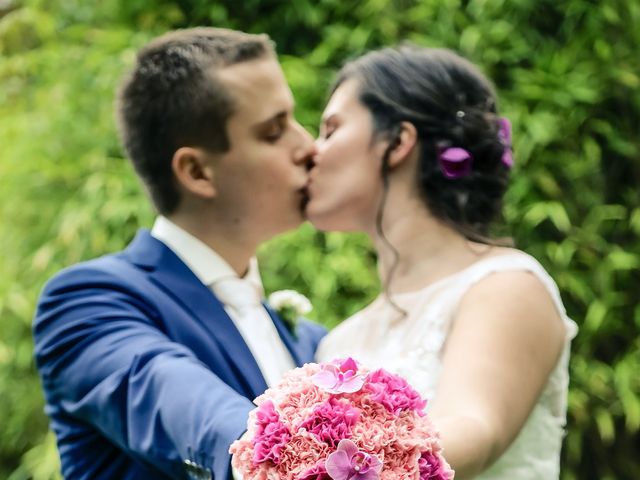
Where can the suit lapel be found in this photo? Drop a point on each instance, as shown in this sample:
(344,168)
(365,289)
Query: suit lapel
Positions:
(287,338)
(177,280)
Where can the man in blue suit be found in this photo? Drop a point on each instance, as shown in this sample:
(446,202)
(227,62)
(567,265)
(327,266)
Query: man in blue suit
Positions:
(150,357)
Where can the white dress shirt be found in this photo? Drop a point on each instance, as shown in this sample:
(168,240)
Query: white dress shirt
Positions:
(255,326)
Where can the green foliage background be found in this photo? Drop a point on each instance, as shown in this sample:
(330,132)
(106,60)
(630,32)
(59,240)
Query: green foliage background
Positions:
(569,78)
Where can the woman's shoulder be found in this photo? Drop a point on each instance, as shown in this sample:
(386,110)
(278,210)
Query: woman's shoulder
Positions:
(510,274)
(507,255)
(504,259)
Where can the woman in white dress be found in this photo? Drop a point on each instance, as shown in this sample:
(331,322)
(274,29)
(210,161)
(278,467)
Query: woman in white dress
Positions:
(413,152)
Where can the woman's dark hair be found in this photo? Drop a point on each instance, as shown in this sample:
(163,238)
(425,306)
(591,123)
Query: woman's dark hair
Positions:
(451,104)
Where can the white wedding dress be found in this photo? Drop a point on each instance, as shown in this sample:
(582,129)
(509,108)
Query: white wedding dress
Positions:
(412,347)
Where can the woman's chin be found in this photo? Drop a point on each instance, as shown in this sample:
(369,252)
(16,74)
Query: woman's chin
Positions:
(319,218)
(329,221)
(318,223)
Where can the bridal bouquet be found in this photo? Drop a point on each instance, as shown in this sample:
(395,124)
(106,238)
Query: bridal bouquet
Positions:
(339,421)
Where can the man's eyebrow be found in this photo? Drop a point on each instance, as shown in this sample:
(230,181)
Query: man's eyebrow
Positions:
(278,116)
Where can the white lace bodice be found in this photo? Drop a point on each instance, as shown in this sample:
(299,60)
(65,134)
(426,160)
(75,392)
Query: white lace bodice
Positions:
(412,347)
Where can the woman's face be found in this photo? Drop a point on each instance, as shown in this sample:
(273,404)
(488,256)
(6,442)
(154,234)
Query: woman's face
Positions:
(345,182)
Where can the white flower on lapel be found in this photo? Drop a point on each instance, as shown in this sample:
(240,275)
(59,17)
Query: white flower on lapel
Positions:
(290,305)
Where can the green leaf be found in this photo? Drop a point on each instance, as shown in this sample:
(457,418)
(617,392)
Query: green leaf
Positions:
(604,421)
(620,260)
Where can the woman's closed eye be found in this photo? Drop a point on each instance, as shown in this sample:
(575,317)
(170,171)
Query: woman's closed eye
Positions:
(327,130)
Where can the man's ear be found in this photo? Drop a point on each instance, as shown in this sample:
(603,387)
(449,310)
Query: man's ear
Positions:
(193,168)
(403,144)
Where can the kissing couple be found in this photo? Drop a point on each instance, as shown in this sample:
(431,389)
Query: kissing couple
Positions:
(150,357)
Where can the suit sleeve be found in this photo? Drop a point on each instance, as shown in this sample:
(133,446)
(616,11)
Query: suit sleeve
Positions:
(105,362)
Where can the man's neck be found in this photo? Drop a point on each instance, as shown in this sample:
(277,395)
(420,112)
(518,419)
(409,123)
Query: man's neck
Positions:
(235,247)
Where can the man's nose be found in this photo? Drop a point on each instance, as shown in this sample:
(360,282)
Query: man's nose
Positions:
(307,147)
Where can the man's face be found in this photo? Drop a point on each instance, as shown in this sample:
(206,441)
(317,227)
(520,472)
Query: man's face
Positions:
(261,181)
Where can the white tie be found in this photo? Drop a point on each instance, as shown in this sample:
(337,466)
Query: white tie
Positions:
(242,301)
(241,295)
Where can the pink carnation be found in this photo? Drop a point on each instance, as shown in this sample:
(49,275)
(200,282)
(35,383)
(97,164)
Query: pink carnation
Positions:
(301,453)
(271,435)
(433,467)
(394,392)
(317,472)
(332,421)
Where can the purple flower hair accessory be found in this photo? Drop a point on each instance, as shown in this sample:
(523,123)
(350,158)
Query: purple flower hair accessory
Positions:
(504,134)
(455,162)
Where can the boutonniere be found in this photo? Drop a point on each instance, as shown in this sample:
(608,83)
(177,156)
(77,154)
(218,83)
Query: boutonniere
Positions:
(290,306)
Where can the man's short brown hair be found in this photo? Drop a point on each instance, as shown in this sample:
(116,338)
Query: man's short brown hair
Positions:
(172,99)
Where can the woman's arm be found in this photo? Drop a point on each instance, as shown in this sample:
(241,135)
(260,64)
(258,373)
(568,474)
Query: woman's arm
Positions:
(506,339)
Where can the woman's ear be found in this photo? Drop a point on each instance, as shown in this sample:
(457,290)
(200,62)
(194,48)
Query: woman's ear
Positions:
(194,172)
(403,144)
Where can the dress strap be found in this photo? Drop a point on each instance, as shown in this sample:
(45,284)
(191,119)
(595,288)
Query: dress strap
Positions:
(518,262)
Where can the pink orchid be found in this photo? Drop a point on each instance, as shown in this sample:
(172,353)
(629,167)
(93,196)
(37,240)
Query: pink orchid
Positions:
(350,463)
(339,377)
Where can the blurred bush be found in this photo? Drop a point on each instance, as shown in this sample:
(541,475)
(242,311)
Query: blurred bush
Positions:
(568,77)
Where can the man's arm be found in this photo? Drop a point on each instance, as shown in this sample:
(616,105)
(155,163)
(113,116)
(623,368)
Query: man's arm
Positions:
(105,362)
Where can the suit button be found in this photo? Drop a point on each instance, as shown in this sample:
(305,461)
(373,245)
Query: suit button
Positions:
(191,468)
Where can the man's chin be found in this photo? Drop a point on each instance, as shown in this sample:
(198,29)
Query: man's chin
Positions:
(294,222)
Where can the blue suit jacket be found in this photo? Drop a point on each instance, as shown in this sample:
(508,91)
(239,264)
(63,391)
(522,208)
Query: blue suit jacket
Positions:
(143,369)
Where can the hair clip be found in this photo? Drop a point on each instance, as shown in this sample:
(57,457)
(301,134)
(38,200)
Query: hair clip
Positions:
(455,162)
(504,134)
